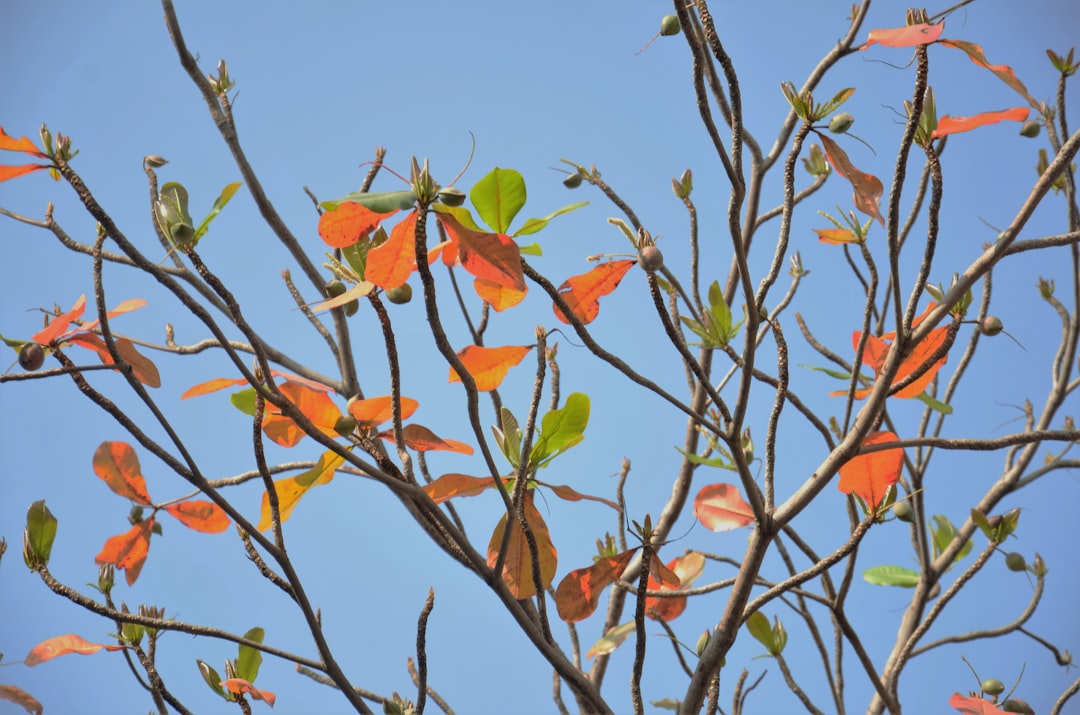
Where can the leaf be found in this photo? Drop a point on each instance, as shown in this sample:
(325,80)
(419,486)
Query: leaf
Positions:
(449,486)
(934,404)
(582,293)
(561,429)
(836,236)
(14,172)
(918,357)
(579,591)
(290,490)
(22,144)
(943,532)
(687,568)
(249,659)
(10,692)
(871,475)
(833,104)
(387,202)
(59,324)
(921,34)
(974,705)
(376,410)
(39,534)
(758,627)
(488,366)
(891,576)
(498,296)
(200,515)
(565,492)
(219,203)
(171,210)
(314,405)
(211,676)
(142,367)
(347,223)
(537,224)
(359,290)
(128,551)
(517,569)
(868,188)
(492,256)
(720,507)
(118,465)
(1003,72)
(955,125)
(390,264)
(498,197)
(220,383)
(611,640)
(64,645)
(422,439)
(239,686)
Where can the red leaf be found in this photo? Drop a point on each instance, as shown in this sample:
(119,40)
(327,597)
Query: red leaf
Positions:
(200,515)
(390,264)
(498,296)
(118,465)
(720,507)
(315,405)
(241,686)
(1003,72)
(583,292)
(974,705)
(868,188)
(22,144)
(59,324)
(449,486)
(579,591)
(955,125)
(686,568)
(488,366)
(422,439)
(64,645)
(12,172)
(494,257)
(21,697)
(922,34)
(877,350)
(517,568)
(348,223)
(376,410)
(128,551)
(871,475)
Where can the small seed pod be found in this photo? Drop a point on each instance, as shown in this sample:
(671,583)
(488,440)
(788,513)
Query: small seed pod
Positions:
(993,686)
(669,25)
(1015,562)
(572,181)
(1016,705)
(31,356)
(155,161)
(400,295)
(1030,129)
(345,425)
(650,258)
(451,196)
(841,123)
(990,325)
(902,511)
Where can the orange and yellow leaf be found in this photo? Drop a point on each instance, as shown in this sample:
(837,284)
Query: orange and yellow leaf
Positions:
(13,172)
(517,568)
(200,515)
(720,507)
(955,125)
(22,144)
(974,705)
(64,645)
(290,490)
(582,293)
(488,366)
(686,568)
(315,405)
(390,264)
(867,187)
(498,296)
(579,592)
(128,551)
(836,236)
(58,325)
(495,257)
(118,465)
(240,686)
(20,697)
(449,486)
(348,223)
(376,410)
(870,475)
(1003,72)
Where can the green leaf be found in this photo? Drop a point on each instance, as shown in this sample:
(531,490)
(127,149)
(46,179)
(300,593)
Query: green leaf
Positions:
(531,249)
(666,704)
(379,203)
(462,214)
(536,224)
(934,404)
(561,429)
(831,373)
(758,626)
(249,659)
(980,520)
(509,437)
(172,214)
(211,677)
(943,532)
(39,535)
(712,462)
(244,400)
(888,575)
(699,330)
(779,635)
(222,199)
(834,103)
(498,197)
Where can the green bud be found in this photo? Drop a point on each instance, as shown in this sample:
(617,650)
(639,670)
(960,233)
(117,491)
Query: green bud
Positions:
(1030,129)
(572,181)
(1015,562)
(902,510)
(669,25)
(993,686)
(702,642)
(841,123)
(345,425)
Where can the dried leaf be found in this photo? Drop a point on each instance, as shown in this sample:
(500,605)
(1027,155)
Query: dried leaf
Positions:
(64,645)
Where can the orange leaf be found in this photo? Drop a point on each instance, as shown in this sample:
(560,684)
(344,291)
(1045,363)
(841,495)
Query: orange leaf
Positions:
(955,125)
(422,439)
(488,366)
(868,188)
(918,357)
(492,256)
(22,144)
(144,369)
(64,645)
(391,263)
(922,34)
(348,223)
(118,465)
(836,236)
(125,307)
(974,705)
(579,591)
(200,515)
(583,292)
(12,172)
(241,686)
(449,486)
(128,551)
(500,297)
(21,697)
(871,475)
(720,507)
(517,569)
(687,568)
(376,410)
(315,405)
(59,324)
(565,492)
(220,383)
(290,490)
(1003,72)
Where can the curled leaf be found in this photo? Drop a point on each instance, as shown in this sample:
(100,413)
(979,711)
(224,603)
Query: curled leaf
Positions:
(64,645)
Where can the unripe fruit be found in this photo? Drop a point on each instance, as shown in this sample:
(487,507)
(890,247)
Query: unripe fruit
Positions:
(669,25)
(990,325)
(993,686)
(650,258)
(572,181)
(31,356)
(902,511)
(1016,705)
(400,295)
(451,196)
(1015,562)
(1030,129)
(335,288)
(841,123)
(345,425)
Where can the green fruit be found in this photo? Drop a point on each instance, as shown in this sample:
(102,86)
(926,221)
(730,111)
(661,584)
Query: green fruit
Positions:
(991,325)
(650,258)
(1030,129)
(400,295)
(345,425)
(993,686)
(902,511)
(572,181)
(1016,705)
(669,25)
(335,288)
(451,196)
(1015,562)
(31,356)
(841,123)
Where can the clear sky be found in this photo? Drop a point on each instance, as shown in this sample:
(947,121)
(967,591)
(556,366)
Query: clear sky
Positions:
(320,85)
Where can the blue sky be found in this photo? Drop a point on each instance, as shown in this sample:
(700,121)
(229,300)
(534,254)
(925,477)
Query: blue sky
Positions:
(319,86)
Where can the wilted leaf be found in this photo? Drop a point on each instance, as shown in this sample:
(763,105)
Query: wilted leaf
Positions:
(517,569)
(582,293)
(871,475)
(720,507)
(955,125)
(348,223)
(64,645)
(488,366)
(389,265)
(422,439)
(565,492)
(118,465)
(200,515)
(611,640)
(868,188)
(922,34)
(240,686)
(354,292)
(579,592)
(128,551)
(1003,72)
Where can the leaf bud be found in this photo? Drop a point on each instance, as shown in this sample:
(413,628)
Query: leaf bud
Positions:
(990,325)
(106,573)
(1046,288)
(669,25)
(1015,562)
(902,510)
(31,356)
(1030,129)
(650,258)
(841,123)
(46,140)
(702,642)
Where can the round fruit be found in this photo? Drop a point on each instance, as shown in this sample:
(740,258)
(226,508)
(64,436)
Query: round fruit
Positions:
(1016,705)
(841,123)
(1030,129)
(1015,562)
(400,295)
(991,325)
(345,425)
(451,196)
(650,258)
(993,686)
(669,25)
(572,181)
(902,511)
(31,356)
